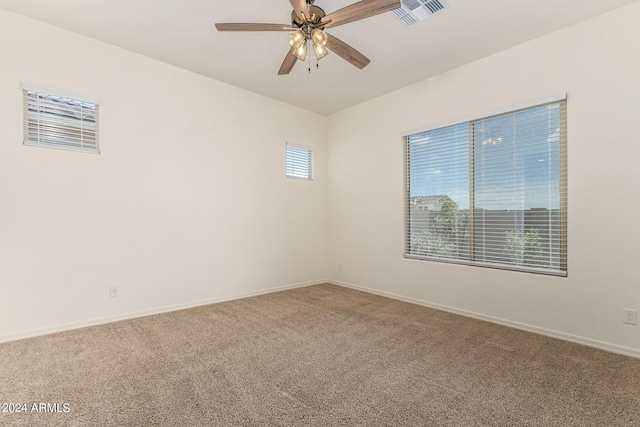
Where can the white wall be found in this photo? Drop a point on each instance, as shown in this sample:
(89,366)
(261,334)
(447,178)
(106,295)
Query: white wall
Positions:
(598,65)
(187,203)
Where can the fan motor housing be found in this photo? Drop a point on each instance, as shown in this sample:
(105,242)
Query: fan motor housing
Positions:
(315,15)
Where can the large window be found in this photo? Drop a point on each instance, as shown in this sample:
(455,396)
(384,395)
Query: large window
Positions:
(492,191)
(56,120)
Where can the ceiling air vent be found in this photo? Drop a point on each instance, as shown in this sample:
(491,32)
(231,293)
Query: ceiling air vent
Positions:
(413,11)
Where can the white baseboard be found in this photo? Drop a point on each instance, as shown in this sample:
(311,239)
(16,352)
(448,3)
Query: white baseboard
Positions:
(148,312)
(159,310)
(613,348)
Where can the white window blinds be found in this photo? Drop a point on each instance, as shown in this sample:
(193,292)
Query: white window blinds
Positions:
(491,192)
(299,162)
(57,121)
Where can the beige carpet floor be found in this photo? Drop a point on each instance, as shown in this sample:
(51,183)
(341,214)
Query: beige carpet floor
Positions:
(316,356)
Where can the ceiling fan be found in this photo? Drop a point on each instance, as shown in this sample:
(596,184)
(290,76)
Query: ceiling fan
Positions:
(308,23)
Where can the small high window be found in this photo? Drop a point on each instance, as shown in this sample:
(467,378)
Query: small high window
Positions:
(55,120)
(299,162)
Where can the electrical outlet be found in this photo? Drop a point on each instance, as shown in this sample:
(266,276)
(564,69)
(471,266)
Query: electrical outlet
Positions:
(114,291)
(629,316)
(339,266)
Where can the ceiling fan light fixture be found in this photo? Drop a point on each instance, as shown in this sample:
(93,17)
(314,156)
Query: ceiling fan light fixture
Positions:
(319,37)
(300,52)
(320,51)
(296,38)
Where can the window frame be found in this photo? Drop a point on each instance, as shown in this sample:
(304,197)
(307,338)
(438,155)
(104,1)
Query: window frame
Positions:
(556,98)
(72,124)
(309,151)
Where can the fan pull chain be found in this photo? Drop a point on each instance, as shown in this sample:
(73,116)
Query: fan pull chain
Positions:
(309,64)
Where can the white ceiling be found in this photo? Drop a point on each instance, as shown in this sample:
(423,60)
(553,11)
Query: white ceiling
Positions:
(182,33)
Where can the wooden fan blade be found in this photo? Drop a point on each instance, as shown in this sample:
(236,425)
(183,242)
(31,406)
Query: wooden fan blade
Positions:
(345,51)
(300,6)
(360,10)
(253,27)
(288,63)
